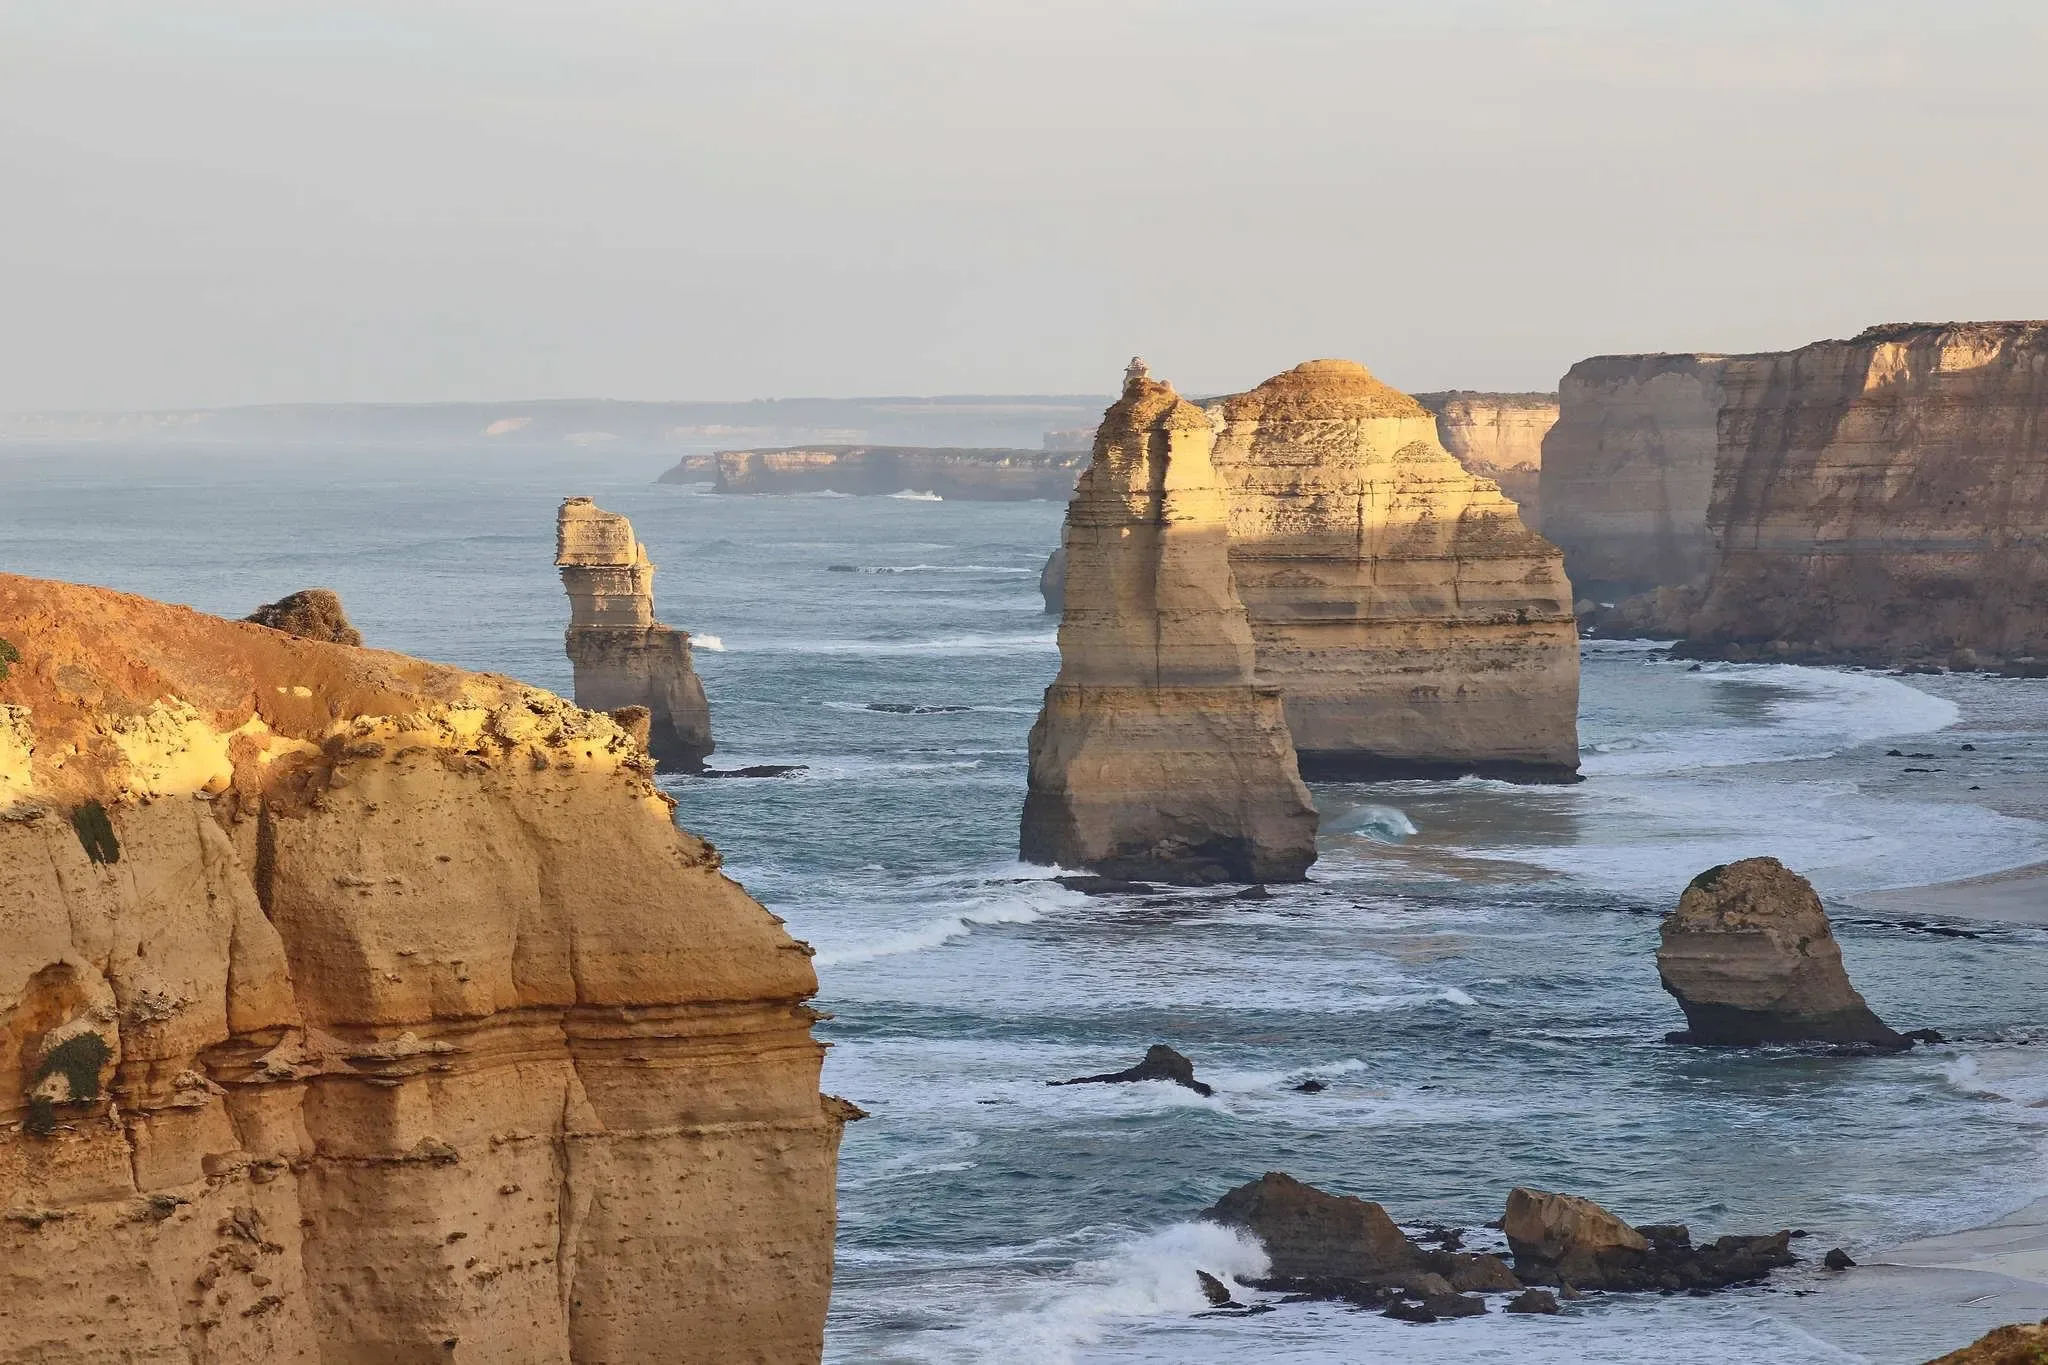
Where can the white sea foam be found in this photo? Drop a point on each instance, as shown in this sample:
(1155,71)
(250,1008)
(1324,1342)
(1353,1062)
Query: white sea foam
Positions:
(1034,642)
(932,933)
(701,640)
(912,495)
(1382,824)
(1147,1277)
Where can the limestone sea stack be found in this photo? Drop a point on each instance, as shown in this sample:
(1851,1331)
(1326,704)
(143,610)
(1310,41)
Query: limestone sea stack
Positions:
(1498,436)
(1157,754)
(622,656)
(1751,958)
(1628,470)
(1415,626)
(1883,500)
(357,1010)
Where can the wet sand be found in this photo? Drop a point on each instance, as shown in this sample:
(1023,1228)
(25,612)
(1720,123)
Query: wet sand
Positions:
(2019,896)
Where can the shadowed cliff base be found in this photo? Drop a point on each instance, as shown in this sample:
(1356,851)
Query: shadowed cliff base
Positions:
(1351,765)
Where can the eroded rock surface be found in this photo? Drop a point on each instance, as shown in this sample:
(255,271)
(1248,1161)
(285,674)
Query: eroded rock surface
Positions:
(1751,958)
(1881,500)
(1498,436)
(622,656)
(417,1031)
(1628,471)
(1563,1239)
(310,614)
(2022,1343)
(1157,754)
(1311,1234)
(1414,625)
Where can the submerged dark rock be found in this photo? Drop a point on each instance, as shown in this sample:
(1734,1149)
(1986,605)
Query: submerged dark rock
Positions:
(1161,1063)
(1311,1086)
(1532,1301)
(757,770)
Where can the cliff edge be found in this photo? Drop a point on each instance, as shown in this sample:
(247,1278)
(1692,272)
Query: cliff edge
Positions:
(356,1009)
(1884,500)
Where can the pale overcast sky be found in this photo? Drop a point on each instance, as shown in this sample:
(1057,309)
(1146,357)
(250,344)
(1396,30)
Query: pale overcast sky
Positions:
(208,202)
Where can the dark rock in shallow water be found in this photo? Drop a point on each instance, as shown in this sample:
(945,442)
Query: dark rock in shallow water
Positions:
(1311,1086)
(1927,1035)
(1256,892)
(1751,959)
(1311,1234)
(1105,886)
(1161,1063)
(1565,1240)
(757,770)
(1837,1259)
(310,614)
(1214,1290)
(1472,1272)
(1404,1311)
(1532,1301)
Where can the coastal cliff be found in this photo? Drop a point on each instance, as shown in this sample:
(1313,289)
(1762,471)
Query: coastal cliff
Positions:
(359,1010)
(1628,471)
(622,656)
(1415,626)
(952,473)
(1882,500)
(1156,753)
(1498,436)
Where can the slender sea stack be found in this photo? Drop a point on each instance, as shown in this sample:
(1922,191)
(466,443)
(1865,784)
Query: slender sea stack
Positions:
(1157,755)
(622,656)
(1751,958)
(356,1010)
(1415,626)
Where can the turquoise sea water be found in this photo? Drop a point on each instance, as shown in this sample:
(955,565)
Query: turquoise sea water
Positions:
(1470,969)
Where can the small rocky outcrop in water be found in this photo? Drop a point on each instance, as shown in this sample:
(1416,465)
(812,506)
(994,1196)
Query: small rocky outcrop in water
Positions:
(2022,1343)
(1563,1239)
(1156,754)
(1310,1234)
(1751,959)
(310,614)
(1161,1063)
(622,656)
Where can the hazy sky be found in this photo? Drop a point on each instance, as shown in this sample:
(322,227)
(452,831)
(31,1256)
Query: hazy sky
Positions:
(209,202)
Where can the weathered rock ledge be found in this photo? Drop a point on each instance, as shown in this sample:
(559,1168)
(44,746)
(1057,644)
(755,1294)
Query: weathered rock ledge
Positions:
(358,1010)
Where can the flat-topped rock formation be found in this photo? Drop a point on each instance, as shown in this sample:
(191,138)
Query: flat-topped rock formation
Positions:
(1415,626)
(1882,500)
(1498,436)
(1157,754)
(961,474)
(1628,471)
(622,656)
(358,1010)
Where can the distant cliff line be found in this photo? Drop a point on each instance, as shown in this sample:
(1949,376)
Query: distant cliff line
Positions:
(622,426)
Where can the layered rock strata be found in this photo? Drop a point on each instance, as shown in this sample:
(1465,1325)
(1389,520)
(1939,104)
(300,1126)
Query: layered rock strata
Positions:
(1884,500)
(957,474)
(1498,436)
(1563,1239)
(1628,471)
(357,1010)
(1415,626)
(1157,754)
(1751,958)
(622,657)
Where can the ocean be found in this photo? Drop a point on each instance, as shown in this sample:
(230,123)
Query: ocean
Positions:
(1470,969)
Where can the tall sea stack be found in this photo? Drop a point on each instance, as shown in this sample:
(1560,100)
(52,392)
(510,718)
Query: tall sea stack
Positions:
(621,655)
(357,1010)
(1157,754)
(1415,626)
(1884,500)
